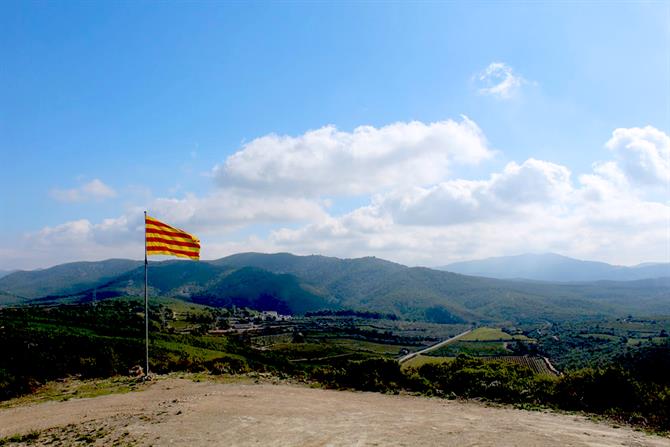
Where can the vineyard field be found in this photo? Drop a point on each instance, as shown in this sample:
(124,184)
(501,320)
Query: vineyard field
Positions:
(536,364)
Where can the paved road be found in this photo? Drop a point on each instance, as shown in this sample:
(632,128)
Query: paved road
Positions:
(411,355)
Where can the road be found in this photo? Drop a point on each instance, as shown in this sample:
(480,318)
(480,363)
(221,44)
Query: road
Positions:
(411,355)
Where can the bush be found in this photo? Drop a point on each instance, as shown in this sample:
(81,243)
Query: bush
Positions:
(227,365)
(366,375)
(598,390)
(471,377)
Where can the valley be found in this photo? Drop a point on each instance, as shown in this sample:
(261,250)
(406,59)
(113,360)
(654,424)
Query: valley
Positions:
(362,324)
(340,223)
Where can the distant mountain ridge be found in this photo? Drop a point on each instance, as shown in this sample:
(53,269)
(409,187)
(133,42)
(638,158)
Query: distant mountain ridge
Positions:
(297,284)
(64,278)
(556,268)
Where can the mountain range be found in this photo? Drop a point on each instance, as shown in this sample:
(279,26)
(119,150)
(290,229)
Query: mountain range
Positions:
(298,284)
(557,268)
(64,278)
(6,272)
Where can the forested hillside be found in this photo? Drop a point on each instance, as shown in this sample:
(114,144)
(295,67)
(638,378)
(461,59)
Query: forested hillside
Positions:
(65,278)
(298,284)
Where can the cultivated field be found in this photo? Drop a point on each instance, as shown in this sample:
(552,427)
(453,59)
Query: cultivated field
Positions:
(422,359)
(535,364)
(491,334)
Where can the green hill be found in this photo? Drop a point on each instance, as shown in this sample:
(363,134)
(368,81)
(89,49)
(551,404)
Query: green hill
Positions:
(298,284)
(211,284)
(167,278)
(263,290)
(421,293)
(65,278)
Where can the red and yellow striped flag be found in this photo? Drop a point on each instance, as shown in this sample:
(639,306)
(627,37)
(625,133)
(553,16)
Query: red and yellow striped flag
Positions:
(162,239)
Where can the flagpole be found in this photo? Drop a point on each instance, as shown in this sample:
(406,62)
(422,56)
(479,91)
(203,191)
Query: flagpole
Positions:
(146,300)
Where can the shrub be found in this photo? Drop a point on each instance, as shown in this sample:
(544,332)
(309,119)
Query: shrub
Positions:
(598,390)
(227,365)
(472,377)
(366,375)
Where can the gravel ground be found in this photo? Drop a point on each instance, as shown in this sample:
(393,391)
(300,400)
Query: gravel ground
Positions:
(183,412)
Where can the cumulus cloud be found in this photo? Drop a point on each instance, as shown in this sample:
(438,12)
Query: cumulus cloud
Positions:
(210,217)
(127,228)
(534,182)
(232,208)
(643,153)
(271,197)
(367,160)
(533,206)
(82,239)
(95,190)
(499,80)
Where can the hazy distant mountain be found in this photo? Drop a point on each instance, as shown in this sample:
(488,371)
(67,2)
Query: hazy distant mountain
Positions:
(64,278)
(6,272)
(298,284)
(553,267)
(9,299)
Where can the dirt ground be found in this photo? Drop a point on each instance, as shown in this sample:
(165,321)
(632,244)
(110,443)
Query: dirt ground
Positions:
(185,413)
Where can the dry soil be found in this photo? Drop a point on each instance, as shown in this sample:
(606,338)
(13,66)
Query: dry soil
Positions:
(185,413)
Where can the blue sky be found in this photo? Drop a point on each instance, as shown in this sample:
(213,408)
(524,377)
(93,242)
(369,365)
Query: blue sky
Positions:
(110,108)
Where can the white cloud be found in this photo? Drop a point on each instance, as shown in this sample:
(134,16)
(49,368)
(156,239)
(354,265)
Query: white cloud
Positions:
(229,209)
(367,160)
(529,207)
(281,180)
(66,233)
(82,240)
(499,80)
(211,218)
(271,198)
(95,190)
(534,182)
(643,153)
(606,180)
(127,228)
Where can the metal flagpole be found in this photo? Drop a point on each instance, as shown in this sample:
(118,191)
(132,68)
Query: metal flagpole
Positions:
(146,299)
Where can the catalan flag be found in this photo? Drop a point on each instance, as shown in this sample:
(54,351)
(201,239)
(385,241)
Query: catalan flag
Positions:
(162,239)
